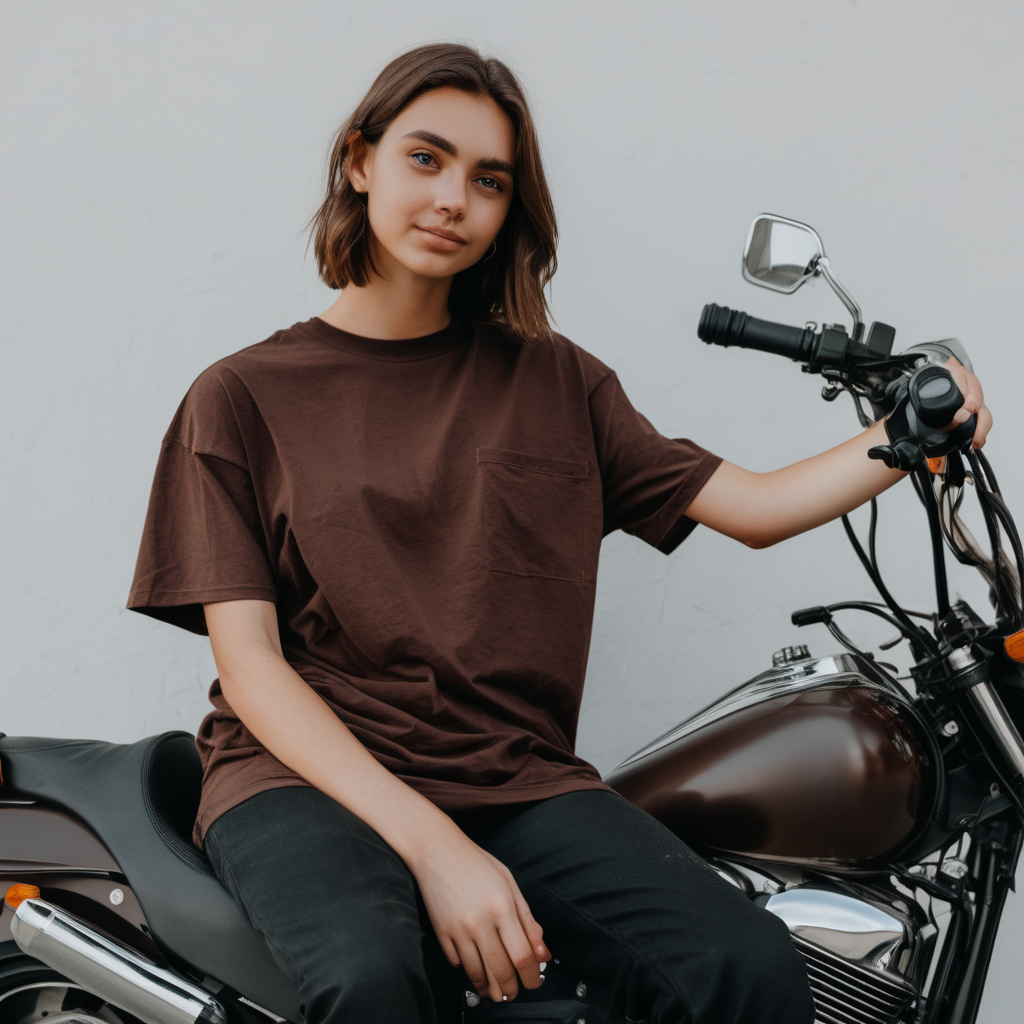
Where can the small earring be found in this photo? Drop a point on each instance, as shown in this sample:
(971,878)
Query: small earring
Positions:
(494,245)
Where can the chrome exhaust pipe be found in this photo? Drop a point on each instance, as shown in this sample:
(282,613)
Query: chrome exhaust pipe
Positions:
(109,969)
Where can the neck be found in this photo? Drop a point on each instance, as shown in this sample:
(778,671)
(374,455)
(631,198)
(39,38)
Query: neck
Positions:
(401,305)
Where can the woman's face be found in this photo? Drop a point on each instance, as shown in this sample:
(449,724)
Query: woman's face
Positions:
(439,183)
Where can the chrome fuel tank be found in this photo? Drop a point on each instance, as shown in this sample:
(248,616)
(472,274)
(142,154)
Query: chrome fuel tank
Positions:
(820,760)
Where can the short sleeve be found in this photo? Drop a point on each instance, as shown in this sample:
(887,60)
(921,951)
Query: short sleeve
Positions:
(648,480)
(203,539)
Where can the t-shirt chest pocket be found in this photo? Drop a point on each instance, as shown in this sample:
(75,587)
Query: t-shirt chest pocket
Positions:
(533,514)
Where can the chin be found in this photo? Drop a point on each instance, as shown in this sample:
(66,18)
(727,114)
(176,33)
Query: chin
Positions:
(430,265)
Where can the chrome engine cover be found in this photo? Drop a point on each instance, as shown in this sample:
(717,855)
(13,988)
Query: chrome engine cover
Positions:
(855,952)
(863,948)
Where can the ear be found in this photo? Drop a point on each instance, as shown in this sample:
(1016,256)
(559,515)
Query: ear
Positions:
(360,159)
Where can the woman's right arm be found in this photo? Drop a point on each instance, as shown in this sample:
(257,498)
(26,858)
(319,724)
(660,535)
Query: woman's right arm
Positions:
(475,906)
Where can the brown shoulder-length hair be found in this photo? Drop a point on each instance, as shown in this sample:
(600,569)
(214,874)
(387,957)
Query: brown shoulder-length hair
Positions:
(508,288)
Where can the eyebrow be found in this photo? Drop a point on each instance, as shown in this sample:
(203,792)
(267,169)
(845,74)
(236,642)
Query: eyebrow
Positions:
(489,164)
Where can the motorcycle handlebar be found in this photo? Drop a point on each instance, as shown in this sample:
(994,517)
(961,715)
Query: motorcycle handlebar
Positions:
(720,325)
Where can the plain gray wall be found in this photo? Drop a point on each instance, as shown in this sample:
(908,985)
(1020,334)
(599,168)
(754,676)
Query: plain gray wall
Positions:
(161,160)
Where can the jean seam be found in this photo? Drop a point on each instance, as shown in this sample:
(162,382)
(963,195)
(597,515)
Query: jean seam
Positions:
(622,943)
(253,917)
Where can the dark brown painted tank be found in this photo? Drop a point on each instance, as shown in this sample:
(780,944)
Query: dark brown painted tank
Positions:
(833,774)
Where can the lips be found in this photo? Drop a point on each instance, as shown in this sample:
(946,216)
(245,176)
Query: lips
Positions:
(444,233)
(441,238)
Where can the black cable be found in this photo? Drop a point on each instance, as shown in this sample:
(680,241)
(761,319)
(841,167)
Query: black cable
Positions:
(1003,514)
(987,467)
(867,606)
(923,480)
(872,525)
(992,526)
(845,640)
(924,641)
(974,457)
(930,616)
(864,606)
(1008,524)
(962,555)
(900,362)
(917,488)
(872,532)
(982,487)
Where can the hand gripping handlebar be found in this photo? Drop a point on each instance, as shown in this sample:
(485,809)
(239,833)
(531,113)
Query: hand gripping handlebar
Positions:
(924,402)
(921,404)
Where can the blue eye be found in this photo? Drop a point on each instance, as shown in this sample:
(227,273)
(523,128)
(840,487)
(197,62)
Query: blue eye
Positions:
(489,183)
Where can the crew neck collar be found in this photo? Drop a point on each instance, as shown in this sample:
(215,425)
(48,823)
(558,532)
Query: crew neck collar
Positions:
(448,339)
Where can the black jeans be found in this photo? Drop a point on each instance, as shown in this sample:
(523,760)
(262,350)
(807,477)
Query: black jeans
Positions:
(621,899)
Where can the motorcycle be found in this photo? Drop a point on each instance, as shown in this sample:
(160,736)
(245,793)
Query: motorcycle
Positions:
(882,823)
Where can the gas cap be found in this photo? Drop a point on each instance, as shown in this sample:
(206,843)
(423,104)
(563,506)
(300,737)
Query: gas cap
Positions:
(790,655)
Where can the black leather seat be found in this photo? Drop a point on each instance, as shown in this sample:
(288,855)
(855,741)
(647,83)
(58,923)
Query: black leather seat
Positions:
(141,799)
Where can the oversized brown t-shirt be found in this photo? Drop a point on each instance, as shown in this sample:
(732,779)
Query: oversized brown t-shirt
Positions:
(427,516)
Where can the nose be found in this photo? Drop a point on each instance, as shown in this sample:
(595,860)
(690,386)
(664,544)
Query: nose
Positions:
(450,198)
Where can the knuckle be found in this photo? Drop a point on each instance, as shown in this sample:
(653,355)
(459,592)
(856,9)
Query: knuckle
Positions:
(505,976)
(496,910)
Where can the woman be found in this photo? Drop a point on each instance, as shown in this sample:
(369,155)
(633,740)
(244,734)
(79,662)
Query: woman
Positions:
(388,519)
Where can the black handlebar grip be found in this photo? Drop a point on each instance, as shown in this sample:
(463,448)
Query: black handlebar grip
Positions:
(720,325)
(934,396)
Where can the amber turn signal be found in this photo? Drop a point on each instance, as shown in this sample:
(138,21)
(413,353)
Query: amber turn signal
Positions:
(18,893)
(1014,646)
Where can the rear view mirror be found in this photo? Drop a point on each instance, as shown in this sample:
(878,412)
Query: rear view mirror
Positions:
(781,254)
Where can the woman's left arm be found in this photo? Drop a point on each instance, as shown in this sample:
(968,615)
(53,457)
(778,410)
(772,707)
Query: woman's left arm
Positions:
(760,509)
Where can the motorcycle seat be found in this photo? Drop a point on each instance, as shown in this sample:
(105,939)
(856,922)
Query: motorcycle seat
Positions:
(141,800)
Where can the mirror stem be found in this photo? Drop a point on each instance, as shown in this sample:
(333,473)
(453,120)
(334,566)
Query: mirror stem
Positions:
(823,266)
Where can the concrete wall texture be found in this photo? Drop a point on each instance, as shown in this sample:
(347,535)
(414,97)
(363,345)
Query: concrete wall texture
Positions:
(161,160)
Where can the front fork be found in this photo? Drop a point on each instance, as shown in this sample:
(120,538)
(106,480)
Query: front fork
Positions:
(963,681)
(967,951)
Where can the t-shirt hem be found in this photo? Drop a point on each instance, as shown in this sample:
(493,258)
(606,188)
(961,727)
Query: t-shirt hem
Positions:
(446,796)
(671,527)
(208,815)
(138,600)
(184,608)
(452,797)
